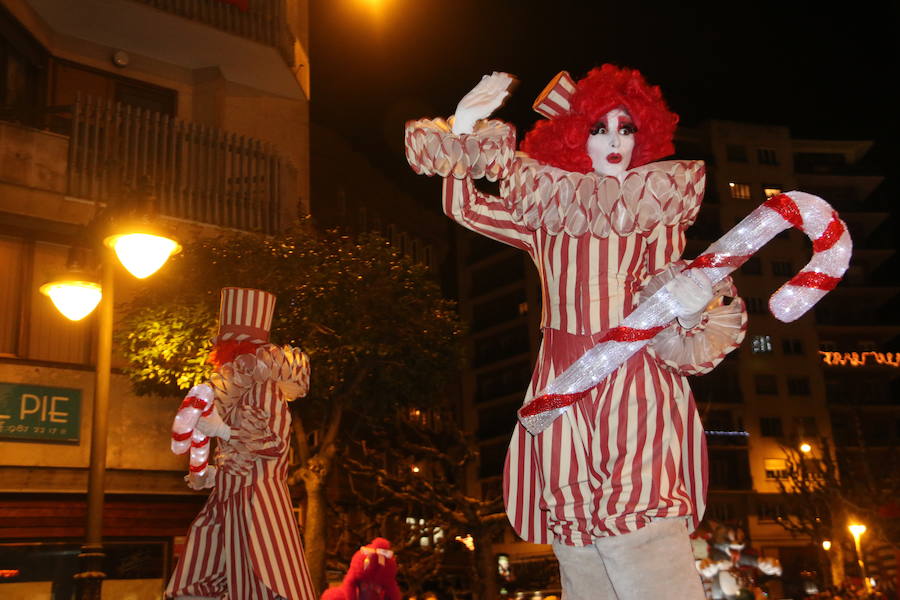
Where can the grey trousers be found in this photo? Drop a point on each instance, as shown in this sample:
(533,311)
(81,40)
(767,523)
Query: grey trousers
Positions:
(652,563)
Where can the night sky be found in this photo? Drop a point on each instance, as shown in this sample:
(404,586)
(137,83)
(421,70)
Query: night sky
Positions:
(824,72)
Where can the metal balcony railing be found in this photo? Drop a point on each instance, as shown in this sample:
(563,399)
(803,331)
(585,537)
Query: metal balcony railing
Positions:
(263,21)
(197,173)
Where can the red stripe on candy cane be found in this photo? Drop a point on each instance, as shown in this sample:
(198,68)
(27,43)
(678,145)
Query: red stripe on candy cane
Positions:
(717,260)
(549,402)
(785,206)
(627,334)
(811,279)
(830,236)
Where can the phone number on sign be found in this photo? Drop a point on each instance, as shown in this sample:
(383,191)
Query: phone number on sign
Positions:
(41,429)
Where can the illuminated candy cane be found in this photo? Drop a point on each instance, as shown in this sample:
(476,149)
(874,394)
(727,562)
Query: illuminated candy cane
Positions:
(198,403)
(831,256)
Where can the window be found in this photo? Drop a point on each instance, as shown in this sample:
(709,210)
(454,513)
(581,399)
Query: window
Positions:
(761,344)
(765,384)
(498,310)
(792,346)
(503,381)
(806,427)
(769,510)
(428,534)
(22,73)
(30,326)
(497,274)
(776,468)
(766,156)
(771,190)
(782,268)
(69,79)
(867,346)
(755,305)
(740,191)
(736,153)
(753,266)
(798,386)
(770,427)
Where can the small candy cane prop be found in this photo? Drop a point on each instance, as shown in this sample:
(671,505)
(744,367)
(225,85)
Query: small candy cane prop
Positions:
(831,256)
(198,403)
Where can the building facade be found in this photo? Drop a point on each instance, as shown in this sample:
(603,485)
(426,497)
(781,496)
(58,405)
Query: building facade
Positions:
(206,105)
(775,392)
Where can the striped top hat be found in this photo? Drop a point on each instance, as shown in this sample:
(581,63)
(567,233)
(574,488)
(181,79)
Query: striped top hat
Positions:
(556,98)
(245,315)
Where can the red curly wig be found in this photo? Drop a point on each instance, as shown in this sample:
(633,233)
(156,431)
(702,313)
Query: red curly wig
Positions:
(562,141)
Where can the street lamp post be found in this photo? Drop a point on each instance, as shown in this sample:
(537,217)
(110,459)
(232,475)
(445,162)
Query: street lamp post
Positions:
(857,529)
(142,260)
(90,579)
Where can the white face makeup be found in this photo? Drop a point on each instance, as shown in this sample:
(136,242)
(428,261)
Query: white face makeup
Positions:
(611,143)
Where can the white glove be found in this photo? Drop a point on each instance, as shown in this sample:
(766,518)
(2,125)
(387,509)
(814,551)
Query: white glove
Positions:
(693,291)
(485,98)
(213,425)
(201,482)
(708,567)
(769,566)
(290,389)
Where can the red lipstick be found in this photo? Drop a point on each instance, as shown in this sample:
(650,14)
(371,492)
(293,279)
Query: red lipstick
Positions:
(614,158)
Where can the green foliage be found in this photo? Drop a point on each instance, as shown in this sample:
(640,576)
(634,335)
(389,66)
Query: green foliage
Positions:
(378,333)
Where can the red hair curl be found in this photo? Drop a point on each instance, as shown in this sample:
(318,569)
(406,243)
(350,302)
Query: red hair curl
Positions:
(562,141)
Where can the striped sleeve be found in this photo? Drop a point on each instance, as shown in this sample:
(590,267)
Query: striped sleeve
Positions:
(484,214)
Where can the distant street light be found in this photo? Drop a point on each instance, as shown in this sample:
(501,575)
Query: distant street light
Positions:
(826,545)
(805,448)
(857,529)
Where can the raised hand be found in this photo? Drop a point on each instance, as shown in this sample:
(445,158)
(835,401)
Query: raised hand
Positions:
(484,99)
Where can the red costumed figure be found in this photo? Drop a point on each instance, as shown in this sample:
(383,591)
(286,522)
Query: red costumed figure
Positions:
(617,481)
(372,575)
(245,543)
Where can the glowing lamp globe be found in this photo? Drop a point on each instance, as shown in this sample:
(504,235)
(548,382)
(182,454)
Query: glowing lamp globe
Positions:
(857,529)
(74,299)
(143,254)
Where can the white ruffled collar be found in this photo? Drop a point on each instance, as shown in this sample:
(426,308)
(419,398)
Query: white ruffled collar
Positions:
(542,196)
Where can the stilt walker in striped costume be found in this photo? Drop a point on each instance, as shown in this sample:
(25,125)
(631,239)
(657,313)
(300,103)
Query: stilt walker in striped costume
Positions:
(244,544)
(616,482)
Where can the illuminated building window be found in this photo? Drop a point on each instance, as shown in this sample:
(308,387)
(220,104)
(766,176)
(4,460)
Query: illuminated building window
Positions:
(740,191)
(428,535)
(766,384)
(771,190)
(790,346)
(776,468)
(761,344)
(770,427)
(753,266)
(766,156)
(798,386)
(782,268)
(736,153)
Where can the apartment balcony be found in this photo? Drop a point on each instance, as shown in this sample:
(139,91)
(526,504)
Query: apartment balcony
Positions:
(263,21)
(197,173)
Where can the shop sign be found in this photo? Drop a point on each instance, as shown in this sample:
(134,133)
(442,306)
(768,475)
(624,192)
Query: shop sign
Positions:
(39,413)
